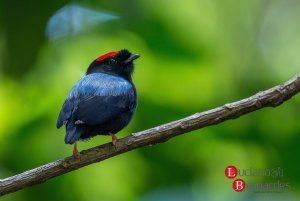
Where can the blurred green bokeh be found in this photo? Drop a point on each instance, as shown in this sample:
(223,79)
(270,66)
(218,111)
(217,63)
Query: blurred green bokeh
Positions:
(196,55)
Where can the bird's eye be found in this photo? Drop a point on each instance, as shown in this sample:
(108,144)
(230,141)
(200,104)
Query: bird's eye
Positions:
(112,61)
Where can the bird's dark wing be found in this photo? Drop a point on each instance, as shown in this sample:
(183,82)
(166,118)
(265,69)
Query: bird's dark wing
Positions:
(99,109)
(65,113)
(97,98)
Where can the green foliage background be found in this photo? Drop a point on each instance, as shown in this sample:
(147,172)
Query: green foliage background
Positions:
(196,55)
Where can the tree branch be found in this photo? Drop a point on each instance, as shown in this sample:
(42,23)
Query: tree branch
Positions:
(269,98)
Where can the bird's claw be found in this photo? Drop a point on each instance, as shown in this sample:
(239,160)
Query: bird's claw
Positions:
(113,139)
(76,153)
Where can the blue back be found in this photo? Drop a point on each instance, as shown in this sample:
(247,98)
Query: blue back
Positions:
(99,84)
(96,99)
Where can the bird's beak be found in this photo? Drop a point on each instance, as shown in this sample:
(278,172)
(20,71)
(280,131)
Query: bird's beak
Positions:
(131,58)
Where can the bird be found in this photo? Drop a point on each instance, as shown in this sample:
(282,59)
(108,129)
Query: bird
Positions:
(102,102)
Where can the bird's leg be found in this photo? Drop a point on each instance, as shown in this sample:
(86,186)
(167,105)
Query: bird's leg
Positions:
(113,138)
(76,153)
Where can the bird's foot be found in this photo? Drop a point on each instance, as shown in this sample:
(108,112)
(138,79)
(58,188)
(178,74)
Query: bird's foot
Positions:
(113,138)
(76,153)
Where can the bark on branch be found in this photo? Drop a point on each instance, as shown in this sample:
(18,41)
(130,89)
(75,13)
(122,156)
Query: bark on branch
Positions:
(269,98)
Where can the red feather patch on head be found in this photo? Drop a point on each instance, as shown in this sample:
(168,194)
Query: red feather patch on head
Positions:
(105,56)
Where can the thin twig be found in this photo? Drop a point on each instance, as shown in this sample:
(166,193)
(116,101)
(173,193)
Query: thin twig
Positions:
(269,98)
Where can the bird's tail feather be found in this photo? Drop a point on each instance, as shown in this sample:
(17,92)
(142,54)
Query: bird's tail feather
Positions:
(73,132)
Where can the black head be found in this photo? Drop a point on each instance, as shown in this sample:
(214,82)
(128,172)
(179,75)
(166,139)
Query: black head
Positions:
(116,63)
